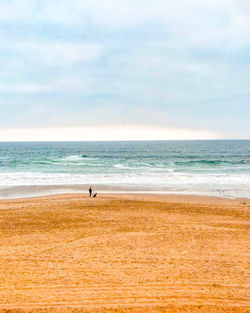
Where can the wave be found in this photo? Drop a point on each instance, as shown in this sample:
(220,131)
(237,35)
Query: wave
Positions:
(30,183)
(121,166)
(210,162)
(71,157)
(150,178)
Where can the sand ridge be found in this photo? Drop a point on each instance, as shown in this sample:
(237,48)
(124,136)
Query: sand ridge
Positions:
(124,253)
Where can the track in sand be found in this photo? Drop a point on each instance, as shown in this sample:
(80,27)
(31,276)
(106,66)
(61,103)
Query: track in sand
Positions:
(69,253)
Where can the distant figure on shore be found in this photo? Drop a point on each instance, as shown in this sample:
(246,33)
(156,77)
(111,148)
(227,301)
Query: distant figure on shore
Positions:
(90,192)
(94,196)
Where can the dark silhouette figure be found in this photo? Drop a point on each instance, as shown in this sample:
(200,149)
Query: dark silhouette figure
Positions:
(90,192)
(94,196)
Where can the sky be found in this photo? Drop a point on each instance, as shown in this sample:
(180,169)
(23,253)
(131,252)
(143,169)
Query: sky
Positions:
(124,70)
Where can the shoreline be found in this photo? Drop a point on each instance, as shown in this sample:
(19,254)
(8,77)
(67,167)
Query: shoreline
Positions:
(151,197)
(28,191)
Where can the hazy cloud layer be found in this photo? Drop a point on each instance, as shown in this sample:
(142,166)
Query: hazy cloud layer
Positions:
(177,64)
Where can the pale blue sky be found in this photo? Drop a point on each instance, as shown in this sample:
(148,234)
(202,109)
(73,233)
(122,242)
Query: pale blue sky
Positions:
(179,65)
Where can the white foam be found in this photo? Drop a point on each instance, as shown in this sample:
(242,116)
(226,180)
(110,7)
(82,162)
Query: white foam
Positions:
(237,185)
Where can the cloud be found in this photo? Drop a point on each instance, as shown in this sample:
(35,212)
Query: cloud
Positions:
(103,133)
(195,22)
(16,11)
(54,53)
(25,88)
(135,62)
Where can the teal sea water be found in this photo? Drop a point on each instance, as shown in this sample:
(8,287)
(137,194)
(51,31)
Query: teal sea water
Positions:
(188,167)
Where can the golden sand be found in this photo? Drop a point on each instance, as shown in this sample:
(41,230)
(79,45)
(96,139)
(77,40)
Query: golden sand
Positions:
(124,253)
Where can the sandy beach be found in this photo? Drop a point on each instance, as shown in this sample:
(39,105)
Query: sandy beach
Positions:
(124,253)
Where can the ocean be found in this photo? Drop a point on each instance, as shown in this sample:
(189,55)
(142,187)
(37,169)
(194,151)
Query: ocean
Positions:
(207,167)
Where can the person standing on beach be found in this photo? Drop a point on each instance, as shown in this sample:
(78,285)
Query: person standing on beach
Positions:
(90,192)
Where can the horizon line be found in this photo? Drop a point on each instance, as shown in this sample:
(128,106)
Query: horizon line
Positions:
(127,140)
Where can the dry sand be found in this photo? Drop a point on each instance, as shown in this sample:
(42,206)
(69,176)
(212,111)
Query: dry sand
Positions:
(124,253)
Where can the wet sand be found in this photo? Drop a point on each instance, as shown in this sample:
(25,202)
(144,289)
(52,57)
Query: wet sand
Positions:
(124,253)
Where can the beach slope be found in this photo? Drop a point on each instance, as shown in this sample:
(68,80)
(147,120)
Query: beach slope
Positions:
(124,253)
